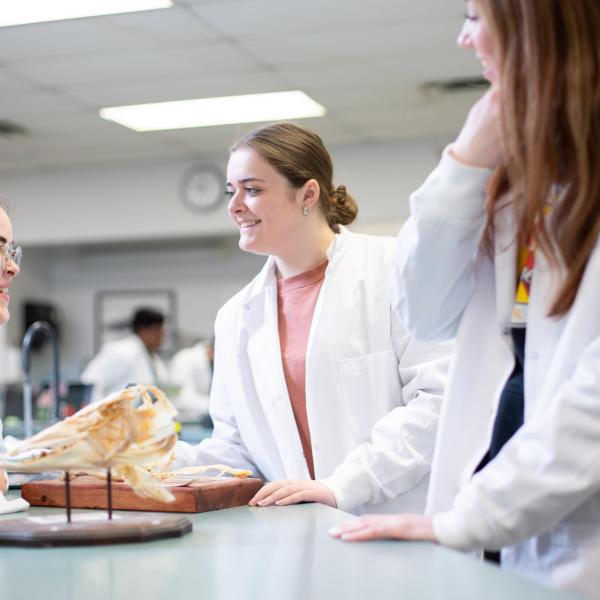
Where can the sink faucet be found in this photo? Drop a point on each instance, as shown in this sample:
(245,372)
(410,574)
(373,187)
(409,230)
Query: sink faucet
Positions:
(33,330)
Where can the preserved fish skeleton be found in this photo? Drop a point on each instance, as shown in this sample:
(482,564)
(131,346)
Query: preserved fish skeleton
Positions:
(126,432)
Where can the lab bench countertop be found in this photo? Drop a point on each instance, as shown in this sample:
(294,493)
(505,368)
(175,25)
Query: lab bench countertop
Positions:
(274,553)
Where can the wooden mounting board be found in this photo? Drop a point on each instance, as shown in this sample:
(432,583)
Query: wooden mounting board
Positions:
(199,496)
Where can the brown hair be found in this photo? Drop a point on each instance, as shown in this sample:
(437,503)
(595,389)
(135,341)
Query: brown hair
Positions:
(550,101)
(299,155)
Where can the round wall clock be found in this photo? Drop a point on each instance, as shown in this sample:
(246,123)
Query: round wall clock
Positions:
(201,188)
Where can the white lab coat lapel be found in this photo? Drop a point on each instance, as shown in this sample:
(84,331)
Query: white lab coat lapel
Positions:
(319,338)
(544,335)
(316,328)
(505,261)
(260,320)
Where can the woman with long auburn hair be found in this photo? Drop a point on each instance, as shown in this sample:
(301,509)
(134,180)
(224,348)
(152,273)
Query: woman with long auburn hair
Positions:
(502,251)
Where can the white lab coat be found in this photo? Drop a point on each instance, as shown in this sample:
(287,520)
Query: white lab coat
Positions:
(539,499)
(372,393)
(122,362)
(190,368)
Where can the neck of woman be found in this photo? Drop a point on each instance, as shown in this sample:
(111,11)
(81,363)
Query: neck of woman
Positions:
(310,250)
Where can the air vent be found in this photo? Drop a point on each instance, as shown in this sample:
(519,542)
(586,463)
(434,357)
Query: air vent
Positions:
(10,129)
(453,86)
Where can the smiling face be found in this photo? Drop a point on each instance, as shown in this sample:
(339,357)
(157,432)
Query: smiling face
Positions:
(266,208)
(10,268)
(475,34)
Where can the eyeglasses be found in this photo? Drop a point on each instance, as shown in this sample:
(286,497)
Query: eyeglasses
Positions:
(8,252)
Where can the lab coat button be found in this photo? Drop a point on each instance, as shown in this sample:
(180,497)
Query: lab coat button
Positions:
(534,355)
(316,448)
(506,330)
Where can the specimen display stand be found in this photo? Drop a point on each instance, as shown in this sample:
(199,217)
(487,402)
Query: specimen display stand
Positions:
(90,529)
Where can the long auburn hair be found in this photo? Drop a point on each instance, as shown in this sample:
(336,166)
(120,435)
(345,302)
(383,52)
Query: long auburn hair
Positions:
(550,103)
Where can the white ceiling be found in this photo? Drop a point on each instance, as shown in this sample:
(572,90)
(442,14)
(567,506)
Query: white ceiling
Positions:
(364,60)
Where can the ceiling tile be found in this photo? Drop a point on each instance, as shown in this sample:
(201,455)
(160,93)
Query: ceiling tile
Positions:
(361,73)
(173,25)
(221,83)
(35,103)
(342,46)
(78,37)
(439,116)
(364,60)
(254,18)
(11,83)
(187,60)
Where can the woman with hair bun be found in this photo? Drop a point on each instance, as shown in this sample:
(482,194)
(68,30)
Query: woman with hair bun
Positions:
(317,388)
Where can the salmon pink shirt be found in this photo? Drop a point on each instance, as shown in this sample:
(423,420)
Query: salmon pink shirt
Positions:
(296,301)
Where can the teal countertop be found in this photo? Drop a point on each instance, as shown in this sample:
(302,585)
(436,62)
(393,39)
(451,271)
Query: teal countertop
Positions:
(274,553)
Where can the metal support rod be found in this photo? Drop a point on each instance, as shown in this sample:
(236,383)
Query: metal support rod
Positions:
(68,495)
(34,330)
(109,492)
(27,407)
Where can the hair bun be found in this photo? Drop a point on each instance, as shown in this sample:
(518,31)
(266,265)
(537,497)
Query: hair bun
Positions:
(343,208)
(340,194)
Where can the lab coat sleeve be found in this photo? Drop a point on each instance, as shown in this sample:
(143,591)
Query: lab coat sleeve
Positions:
(400,450)
(548,469)
(106,368)
(433,277)
(225,446)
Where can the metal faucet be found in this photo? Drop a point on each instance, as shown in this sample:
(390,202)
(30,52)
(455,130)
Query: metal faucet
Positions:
(30,334)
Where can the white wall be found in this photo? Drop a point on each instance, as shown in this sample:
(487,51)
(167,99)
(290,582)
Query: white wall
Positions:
(124,227)
(140,201)
(203,277)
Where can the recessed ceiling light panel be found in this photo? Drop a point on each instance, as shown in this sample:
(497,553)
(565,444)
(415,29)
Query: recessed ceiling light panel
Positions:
(22,12)
(206,112)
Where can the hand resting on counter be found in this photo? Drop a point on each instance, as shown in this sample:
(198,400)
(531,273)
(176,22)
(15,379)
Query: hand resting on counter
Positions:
(282,493)
(373,527)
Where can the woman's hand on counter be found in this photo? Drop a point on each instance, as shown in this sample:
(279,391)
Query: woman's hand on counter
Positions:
(282,493)
(375,527)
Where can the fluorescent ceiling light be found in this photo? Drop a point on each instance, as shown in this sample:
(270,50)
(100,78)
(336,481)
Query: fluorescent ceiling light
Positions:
(205,112)
(21,12)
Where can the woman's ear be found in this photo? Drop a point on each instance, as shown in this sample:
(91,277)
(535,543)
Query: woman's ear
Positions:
(310,194)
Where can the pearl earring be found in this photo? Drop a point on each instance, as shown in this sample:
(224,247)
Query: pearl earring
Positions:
(305,211)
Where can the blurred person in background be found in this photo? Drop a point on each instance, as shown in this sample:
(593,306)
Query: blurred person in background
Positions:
(191,369)
(133,359)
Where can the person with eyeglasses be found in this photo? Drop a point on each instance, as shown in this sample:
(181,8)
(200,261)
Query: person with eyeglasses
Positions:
(10,261)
